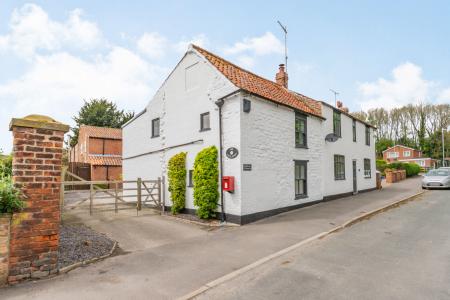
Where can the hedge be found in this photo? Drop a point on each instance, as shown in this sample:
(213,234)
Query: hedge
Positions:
(206,182)
(381,165)
(411,169)
(177,181)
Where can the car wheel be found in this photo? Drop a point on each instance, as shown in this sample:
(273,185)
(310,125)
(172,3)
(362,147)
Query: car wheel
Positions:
(424,188)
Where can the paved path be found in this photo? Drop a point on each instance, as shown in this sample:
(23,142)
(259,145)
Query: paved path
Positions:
(401,254)
(179,264)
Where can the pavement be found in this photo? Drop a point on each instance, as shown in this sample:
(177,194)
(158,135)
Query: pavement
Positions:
(164,258)
(403,253)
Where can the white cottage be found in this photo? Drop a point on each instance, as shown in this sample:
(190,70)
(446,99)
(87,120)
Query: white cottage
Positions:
(292,151)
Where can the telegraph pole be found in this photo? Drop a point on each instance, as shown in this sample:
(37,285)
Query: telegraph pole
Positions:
(443,145)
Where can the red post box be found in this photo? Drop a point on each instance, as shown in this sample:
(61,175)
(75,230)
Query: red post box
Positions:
(228,183)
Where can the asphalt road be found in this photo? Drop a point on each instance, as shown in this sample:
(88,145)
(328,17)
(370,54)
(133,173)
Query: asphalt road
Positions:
(400,254)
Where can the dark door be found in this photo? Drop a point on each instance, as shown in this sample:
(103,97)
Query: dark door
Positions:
(355,182)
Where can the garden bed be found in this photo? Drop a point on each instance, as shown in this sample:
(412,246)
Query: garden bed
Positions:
(80,244)
(190,218)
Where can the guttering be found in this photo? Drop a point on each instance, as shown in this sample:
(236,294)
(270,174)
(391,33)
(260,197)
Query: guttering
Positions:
(219,104)
(163,149)
(134,118)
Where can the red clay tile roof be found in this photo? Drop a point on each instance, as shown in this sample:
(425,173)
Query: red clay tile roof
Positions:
(98,160)
(102,132)
(260,86)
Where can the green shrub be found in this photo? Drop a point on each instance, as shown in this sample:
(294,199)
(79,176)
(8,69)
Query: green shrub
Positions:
(411,169)
(381,165)
(5,165)
(10,196)
(206,182)
(177,181)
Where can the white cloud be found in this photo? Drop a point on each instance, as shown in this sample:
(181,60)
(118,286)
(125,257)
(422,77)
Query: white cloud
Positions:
(444,96)
(245,61)
(57,84)
(262,45)
(200,40)
(153,45)
(31,30)
(406,86)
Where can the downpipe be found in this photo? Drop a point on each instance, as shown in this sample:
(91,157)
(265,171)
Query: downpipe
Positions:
(219,104)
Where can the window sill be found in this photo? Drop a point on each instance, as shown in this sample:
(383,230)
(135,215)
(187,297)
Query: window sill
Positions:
(205,129)
(155,136)
(298,197)
(339,179)
(301,147)
(367,177)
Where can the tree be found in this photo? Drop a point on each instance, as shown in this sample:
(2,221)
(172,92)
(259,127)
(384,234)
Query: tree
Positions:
(99,112)
(381,145)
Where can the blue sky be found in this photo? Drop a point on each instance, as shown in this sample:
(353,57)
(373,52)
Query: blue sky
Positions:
(54,54)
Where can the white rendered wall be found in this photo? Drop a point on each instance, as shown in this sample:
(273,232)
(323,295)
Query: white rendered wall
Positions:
(351,150)
(268,143)
(178,103)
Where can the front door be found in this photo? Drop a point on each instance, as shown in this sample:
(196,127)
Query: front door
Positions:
(355,182)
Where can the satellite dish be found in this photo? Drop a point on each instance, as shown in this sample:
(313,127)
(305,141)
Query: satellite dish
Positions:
(331,137)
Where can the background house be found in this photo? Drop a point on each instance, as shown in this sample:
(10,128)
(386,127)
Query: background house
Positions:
(283,161)
(406,154)
(98,153)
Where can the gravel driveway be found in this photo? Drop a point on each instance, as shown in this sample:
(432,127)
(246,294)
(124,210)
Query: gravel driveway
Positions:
(79,243)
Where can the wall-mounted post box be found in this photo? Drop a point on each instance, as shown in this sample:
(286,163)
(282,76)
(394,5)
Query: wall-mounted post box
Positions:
(228,183)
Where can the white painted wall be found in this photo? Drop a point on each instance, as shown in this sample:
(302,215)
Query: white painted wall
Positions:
(351,150)
(268,143)
(190,90)
(264,137)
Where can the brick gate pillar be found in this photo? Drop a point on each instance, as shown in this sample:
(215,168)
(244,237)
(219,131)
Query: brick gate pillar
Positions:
(37,156)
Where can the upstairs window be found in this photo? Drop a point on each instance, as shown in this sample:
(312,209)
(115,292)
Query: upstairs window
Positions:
(155,127)
(392,154)
(337,123)
(367,170)
(406,153)
(367,135)
(300,179)
(339,167)
(354,130)
(300,131)
(204,122)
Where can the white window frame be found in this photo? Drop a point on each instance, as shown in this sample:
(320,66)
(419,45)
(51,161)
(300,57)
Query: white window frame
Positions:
(407,153)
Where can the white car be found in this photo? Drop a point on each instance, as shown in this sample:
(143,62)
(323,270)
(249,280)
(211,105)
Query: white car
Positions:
(437,178)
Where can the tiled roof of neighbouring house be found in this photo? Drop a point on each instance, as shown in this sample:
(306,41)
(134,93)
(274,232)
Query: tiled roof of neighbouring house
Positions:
(105,160)
(260,86)
(102,132)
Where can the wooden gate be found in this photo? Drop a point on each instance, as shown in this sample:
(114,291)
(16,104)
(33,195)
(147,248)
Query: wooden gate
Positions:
(101,196)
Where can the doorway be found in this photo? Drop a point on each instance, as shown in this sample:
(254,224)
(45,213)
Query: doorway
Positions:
(355,180)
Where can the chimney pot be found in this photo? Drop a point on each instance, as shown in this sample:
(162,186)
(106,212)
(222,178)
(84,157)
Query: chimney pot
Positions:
(282,77)
(339,104)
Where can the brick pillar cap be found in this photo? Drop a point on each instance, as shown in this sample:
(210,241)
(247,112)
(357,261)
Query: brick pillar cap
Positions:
(38,121)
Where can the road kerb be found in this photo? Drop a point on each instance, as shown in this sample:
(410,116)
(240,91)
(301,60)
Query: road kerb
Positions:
(319,236)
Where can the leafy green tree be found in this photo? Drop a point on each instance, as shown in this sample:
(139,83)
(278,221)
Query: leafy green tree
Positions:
(382,144)
(99,112)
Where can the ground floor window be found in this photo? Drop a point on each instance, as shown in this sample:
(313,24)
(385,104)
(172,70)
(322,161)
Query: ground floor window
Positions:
(367,170)
(301,179)
(339,167)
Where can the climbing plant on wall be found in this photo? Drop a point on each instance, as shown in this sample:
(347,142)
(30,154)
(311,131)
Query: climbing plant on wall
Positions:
(177,181)
(206,182)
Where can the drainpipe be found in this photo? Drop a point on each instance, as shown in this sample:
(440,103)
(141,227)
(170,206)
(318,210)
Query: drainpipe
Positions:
(219,104)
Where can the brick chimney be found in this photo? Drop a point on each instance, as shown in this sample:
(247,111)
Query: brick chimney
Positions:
(282,77)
